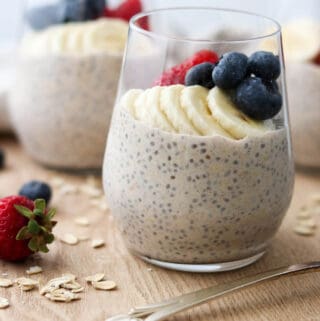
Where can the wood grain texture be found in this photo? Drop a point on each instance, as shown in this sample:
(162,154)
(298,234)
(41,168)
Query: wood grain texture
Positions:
(292,299)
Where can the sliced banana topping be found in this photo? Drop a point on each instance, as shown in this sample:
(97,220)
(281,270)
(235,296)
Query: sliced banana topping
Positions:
(107,35)
(192,110)
(232,119)
(101,35)
(147,108)
(128,100)
(170,105)
(194,103)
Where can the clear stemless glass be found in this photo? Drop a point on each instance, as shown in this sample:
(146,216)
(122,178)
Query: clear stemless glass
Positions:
(194,183)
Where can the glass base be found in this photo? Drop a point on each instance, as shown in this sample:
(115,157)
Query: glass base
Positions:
(205,268)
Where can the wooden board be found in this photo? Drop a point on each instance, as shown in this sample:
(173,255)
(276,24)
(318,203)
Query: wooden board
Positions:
(296,298)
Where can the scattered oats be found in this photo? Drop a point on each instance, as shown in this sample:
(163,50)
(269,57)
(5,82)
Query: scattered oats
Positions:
(91,191)
(4,303)
(83,237)
(81,289)
(149,270)
(34,270)
(303,230)
(26,284)
(68,189)
(104,285)
(26,281)
(81,220)
(57,182)
(96,243)
(70,239)
(71,285)
(26,287)
(5,283)
(95,278)
(62,295)
(308,223)
(55,283)
(304,213)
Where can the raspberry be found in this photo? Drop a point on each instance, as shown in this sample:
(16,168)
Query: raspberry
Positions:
(125,10)
(176,74)
(316,60)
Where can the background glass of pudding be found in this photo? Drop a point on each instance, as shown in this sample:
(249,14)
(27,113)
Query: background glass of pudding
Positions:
(194,183)
(67,75)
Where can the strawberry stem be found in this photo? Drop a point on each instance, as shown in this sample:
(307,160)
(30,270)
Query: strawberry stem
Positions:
(39,227)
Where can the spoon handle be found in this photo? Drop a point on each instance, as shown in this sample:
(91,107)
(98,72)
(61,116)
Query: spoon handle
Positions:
(193,299)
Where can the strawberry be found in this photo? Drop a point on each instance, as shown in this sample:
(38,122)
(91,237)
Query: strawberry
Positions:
(25,227)
(125,10)
(176,74)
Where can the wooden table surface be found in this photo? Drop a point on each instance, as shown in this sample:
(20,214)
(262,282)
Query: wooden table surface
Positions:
(294,299)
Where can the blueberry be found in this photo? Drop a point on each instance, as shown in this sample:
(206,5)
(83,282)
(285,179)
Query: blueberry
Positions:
(200,75)
(271,85)
(44,16)
(230,70)
(257,99)
(36,189)
(81,10)
(264,64)
(94,8)
(2,159)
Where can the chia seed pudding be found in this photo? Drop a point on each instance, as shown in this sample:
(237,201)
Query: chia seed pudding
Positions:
(195,199)
(304,97)
(62,101)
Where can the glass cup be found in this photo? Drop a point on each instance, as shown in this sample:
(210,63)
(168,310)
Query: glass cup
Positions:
(184,196)
(66,84)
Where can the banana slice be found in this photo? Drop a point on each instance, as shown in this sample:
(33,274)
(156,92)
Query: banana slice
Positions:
(74,42)
(301,40)
(57,39)
(128,100)
(106,35)
(171,107)
(147,109)
(194,103)
(231,118)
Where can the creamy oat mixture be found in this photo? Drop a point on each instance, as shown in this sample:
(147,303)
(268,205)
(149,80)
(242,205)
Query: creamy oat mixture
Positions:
(195,198)
(63,97)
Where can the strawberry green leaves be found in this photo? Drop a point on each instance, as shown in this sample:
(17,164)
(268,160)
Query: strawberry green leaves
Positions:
(39,227)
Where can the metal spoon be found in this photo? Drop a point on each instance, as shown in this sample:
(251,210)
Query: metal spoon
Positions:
(161,311)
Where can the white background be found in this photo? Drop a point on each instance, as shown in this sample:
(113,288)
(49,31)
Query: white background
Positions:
(11,11)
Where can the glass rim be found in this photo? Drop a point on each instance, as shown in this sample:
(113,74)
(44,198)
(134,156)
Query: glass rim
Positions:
(135,18)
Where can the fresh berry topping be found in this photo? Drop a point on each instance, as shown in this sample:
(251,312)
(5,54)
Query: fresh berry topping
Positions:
(36,189)
(257,99)
(264,64)
(177,74)
(125,10)
(230,70)
(25,227)
(271,85)
(64,11)
(2,159)
(316,60)
(200,75)
(44,16)
(81,10)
